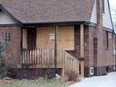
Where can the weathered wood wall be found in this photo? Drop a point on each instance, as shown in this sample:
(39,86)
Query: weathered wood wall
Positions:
(24,38)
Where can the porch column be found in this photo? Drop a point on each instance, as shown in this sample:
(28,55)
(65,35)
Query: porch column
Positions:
(82,40)
(55,46)
(82,48)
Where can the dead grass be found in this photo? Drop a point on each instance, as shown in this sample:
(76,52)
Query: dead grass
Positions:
(33,83)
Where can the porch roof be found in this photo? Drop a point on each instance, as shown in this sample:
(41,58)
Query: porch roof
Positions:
(49,11)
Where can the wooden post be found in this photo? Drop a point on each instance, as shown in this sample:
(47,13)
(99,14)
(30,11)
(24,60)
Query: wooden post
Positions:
(63,63)
(24,38)
(82,47)
(82,39)
(55,45)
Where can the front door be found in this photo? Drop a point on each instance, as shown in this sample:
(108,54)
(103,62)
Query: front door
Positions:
(31,38)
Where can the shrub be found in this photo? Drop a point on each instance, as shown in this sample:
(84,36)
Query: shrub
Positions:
(71,75)
(2,59)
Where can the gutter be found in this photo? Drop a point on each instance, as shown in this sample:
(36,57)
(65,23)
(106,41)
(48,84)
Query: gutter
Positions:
(58,23)
(114,42)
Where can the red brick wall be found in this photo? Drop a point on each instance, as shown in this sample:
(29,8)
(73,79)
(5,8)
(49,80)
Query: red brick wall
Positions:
(107,57)
(102,61)
(13,48)
(86,45)
(77,41)
(109,51)
(92,34)
(76,52)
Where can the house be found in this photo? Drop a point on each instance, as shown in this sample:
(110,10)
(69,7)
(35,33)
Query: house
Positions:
(68,35)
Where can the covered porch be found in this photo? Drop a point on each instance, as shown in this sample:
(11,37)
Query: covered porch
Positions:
(48,46)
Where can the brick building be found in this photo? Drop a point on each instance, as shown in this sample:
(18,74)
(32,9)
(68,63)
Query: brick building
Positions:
(84,30)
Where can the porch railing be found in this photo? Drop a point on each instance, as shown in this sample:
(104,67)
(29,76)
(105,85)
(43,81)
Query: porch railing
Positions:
(70,63)
(44,58)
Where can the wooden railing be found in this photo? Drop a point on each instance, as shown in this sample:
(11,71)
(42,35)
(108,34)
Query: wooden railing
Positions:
(44,58)
(70,63)
(41,57)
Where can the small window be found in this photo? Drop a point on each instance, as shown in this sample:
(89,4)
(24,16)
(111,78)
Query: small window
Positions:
(103,6)
(7,37)
(95,44)
(52,36)
(106,40)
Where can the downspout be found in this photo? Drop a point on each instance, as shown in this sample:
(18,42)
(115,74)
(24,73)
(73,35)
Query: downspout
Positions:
(114,47)
(114,51)
(114,42)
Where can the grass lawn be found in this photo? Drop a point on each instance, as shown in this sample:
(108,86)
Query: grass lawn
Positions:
(35,83)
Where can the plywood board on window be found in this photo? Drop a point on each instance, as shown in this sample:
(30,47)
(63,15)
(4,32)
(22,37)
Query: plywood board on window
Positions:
(65,37)
(43,39)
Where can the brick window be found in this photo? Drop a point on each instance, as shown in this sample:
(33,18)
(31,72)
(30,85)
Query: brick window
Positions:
(95,43)
(106,40)
(7,37)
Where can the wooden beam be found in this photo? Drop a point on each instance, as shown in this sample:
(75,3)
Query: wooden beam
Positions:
(55,45)
(82,68)
(24,38)
(82,48)
(82,40)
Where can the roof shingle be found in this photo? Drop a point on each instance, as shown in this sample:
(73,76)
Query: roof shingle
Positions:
(39,11)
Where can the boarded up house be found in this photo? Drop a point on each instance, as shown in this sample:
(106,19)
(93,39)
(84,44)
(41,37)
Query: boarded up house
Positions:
(74,34)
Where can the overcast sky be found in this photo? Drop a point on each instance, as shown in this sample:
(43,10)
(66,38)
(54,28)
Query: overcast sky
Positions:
(113,8)
(113,12)
(113,2)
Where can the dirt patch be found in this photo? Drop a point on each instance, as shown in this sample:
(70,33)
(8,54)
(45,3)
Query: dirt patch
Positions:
(6,80)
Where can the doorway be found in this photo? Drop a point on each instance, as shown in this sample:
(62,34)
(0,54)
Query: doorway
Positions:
(31,38)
